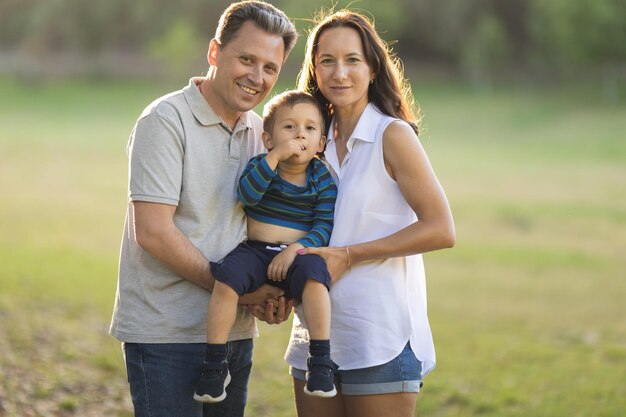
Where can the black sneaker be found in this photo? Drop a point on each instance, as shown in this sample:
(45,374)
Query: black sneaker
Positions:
(320,377)
(211,387)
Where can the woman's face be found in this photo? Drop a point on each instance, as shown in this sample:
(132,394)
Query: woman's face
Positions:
(342,73)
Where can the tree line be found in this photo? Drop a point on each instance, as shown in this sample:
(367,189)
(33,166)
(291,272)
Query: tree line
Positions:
(473,36)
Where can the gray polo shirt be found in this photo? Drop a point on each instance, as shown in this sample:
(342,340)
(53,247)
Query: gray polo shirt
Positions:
(182,154)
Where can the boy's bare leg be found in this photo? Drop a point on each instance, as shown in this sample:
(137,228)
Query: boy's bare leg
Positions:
(215,376)
(320,367)
(316,308)
(221,313)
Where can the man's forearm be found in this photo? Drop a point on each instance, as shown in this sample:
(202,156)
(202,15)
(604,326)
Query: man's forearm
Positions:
(157,234)
(180,255)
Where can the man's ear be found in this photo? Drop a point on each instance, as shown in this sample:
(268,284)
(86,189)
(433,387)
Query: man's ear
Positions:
(211,55)
(267,141)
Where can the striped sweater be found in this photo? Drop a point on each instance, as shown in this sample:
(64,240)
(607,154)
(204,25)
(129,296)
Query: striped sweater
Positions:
(270,199)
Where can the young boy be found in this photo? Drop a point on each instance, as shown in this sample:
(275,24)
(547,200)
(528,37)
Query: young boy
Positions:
(289,198)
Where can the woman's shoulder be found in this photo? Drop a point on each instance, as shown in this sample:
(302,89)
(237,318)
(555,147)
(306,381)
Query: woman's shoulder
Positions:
(399,130)
(400,144)
(391,125)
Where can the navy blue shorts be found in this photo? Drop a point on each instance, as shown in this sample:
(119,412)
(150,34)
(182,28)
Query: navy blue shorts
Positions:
(244,269)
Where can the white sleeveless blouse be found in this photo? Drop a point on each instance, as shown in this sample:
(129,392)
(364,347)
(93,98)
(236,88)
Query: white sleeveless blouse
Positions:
(377,306)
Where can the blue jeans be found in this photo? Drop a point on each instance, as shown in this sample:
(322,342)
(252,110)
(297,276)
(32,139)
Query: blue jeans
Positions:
(162,378)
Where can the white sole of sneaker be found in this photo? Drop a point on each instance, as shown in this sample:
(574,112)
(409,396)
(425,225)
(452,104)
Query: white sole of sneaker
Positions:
(318,393)
(206,398)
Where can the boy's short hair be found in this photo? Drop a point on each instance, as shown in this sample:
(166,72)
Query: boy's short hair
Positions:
(288,98)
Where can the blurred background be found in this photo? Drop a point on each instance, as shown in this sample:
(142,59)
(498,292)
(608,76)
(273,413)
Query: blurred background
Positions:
(477,40)
(524,105)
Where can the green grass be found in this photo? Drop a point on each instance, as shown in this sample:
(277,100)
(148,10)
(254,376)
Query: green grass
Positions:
(527,310)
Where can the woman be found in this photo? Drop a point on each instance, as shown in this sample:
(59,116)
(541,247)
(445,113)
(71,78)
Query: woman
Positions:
(380,333)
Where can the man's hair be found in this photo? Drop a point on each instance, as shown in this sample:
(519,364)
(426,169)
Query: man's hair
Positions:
(264,15)
(288,98)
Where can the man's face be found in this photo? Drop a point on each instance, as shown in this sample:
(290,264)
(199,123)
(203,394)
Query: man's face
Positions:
(245,69)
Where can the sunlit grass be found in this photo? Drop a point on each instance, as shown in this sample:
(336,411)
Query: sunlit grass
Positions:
(527,310)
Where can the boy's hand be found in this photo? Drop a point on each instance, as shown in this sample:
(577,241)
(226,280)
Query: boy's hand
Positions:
(277,269)
(284,151)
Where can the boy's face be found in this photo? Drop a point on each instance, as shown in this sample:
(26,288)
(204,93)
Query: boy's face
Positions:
(302,122)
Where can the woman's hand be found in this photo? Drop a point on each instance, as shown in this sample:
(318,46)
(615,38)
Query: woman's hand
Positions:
(337,259)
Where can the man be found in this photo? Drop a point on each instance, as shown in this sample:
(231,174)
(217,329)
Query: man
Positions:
(186,153)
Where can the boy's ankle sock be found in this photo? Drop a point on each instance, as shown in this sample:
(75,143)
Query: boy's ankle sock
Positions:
(319,348)
(215,352)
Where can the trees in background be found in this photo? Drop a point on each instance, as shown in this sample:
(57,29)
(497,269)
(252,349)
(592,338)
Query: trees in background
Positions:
(478,38)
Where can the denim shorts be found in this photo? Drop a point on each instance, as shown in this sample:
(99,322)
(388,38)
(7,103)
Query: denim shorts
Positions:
(401,374)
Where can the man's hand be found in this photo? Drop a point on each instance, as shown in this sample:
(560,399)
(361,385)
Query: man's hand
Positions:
(260,296)
(274,311)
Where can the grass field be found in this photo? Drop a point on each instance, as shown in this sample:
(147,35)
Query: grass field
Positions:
(527,310)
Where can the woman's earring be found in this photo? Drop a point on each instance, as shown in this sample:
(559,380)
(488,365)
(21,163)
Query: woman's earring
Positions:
(372,81)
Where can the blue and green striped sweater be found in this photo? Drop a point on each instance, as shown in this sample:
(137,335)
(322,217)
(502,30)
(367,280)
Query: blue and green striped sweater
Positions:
(270,199)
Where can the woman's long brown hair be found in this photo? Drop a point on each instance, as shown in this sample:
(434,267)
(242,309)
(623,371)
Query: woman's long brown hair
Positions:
(390,91)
